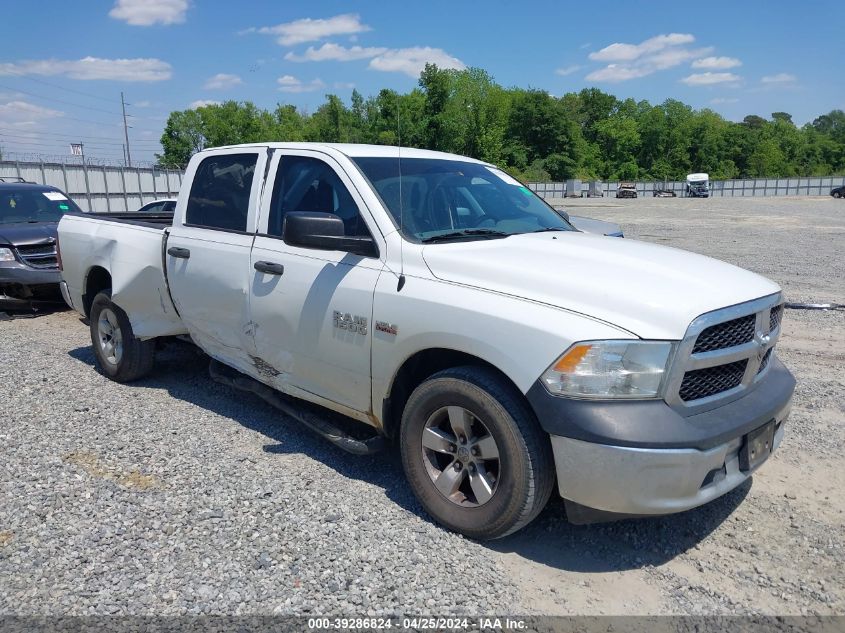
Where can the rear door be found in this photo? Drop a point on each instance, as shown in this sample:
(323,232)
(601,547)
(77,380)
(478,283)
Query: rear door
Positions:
(313,313)
(208,252)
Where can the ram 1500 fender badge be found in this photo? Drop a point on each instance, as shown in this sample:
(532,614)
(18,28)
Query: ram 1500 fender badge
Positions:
(387,328)
(346,321)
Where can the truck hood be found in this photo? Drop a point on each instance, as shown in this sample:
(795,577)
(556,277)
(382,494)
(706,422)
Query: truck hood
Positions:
(651,291)
(25,233)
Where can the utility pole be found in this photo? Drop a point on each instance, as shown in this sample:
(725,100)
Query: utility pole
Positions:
(125,131)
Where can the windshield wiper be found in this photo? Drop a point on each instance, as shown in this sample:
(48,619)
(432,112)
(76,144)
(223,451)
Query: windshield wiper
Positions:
(456,235)
(550,228)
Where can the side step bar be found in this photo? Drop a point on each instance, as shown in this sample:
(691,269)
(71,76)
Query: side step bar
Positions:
(233,378)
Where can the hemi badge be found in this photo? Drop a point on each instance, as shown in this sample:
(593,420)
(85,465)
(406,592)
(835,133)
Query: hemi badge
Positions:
(387,328)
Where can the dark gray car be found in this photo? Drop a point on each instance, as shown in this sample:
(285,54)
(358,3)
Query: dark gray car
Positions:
(29,267)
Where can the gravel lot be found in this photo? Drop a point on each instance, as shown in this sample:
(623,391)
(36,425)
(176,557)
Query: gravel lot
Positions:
(176,495)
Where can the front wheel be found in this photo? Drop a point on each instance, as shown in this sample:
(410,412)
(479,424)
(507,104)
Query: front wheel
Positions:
(120,355)
(474,454)
(837,195)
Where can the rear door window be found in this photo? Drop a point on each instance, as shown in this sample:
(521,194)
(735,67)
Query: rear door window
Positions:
(220,191)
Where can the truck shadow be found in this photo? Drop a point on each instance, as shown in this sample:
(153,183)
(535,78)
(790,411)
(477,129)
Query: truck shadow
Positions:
(621,545)
(9,312)
(182,371)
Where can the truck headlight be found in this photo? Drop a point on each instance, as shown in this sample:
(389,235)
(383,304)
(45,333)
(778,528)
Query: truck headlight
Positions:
(609,369)
(6,255)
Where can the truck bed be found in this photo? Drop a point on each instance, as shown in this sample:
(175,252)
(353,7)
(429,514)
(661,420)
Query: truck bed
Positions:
(128,248)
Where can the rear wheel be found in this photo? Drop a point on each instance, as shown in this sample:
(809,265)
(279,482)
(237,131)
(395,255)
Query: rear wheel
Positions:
(474,454)
(120,355)
(836,194)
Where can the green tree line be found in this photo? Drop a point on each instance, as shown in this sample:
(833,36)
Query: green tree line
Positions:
(588,134)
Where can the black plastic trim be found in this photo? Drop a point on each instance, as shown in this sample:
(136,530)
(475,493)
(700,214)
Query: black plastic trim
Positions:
(654,424)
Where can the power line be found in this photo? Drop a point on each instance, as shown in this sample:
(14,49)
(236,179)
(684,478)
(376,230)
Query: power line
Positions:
(70,103)
(68,138)
(72,136)
(48,83)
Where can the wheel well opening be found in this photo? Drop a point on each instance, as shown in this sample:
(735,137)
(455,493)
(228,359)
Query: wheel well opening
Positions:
(97,280)
(413,372)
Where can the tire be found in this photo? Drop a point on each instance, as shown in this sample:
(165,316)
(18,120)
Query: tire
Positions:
(515,485)
(120,355)
(836,194)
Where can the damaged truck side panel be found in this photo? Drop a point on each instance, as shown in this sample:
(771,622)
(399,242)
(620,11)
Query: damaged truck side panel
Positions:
(128,262)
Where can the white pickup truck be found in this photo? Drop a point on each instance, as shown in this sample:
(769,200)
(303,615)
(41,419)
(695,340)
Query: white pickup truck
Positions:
(437,300)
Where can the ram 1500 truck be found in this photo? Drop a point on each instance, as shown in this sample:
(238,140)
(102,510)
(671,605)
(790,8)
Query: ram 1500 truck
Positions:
(442,303)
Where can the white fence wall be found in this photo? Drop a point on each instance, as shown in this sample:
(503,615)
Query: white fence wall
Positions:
(102,188)
(815,186)
(97,187)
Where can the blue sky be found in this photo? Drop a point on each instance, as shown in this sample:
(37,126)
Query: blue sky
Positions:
(63,65)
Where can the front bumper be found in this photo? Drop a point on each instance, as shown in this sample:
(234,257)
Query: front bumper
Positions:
(19,274)
(22,286)
(644,458)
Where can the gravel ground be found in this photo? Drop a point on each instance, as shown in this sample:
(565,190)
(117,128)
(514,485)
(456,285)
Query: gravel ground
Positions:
(177,495)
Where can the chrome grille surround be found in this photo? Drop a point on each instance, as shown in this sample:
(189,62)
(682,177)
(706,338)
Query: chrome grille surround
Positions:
(755,352)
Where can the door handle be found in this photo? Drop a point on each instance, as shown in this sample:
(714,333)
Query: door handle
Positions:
(182,253)
(269,267)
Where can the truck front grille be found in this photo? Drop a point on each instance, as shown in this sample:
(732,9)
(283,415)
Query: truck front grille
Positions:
(701,383)
(724,354)
(723,335)
(39,255)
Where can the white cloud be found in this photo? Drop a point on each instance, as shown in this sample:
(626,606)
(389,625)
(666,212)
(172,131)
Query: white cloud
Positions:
(149,12)
(201,103)
(411,61)
(222,81)
(720,100)
(567,70)
(620,52)
(708,79)
(716,63)
(22,110)
(335,52)
(289,83)
(313,30)
(89,68)
(343,85)
(617,72)
(780,78)
(672,57)
(631,61)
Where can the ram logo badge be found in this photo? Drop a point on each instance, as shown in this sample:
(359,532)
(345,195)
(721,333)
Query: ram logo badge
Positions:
(346,321)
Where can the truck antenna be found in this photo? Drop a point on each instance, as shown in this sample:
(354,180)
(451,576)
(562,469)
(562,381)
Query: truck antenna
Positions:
(401,283)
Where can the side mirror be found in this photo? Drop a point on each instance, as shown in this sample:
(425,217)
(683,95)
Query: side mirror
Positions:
(324,231)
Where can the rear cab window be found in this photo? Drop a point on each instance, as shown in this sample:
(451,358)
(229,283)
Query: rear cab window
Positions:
(220,192)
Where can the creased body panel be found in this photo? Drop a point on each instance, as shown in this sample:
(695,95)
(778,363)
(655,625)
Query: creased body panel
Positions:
(132,255)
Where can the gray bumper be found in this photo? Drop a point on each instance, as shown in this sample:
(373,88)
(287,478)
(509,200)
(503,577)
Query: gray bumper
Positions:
(17,273)
(643,457)
(638,481)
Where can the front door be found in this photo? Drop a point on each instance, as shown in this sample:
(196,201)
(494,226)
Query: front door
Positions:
(208,254)
(313,312)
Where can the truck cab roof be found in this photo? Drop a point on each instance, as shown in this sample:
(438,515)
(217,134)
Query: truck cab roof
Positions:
(358,150)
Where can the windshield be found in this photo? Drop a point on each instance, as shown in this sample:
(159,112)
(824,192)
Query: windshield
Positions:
(456,198)
(33,205)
